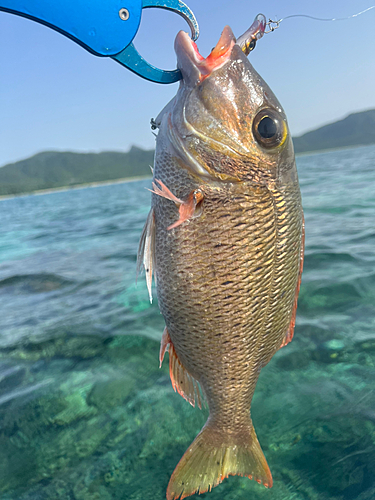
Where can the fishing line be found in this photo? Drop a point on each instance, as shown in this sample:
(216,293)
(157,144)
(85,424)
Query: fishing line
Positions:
(277,23)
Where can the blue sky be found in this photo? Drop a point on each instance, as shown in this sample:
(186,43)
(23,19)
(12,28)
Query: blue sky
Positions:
(55,95)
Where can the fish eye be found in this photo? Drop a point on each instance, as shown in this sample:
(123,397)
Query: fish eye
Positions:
(269,129)
(252,45)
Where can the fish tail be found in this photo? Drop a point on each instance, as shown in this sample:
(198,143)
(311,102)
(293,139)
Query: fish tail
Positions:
(213,456)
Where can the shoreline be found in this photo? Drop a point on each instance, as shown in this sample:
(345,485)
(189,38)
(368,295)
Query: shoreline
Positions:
(329,150)
(123,180)
(61,189)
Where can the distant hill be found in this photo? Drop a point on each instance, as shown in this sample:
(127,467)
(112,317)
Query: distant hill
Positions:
(52,169)
(354,130)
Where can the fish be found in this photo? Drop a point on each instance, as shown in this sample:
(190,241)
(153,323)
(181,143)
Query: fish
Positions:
(224,240)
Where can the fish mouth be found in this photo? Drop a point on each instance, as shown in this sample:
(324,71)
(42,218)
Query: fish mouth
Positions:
(193,65)
(195,69)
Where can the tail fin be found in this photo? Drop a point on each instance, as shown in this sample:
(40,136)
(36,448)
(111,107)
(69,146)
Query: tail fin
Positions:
(213,456)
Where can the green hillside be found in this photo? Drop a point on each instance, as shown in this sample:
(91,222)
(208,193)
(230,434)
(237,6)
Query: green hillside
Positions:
(52,169)
(354,130)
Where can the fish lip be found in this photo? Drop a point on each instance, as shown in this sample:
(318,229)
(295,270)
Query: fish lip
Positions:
(195,69)
(188,54)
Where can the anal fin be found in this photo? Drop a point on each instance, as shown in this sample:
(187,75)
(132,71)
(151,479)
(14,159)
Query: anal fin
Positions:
(182,382)
(146,251)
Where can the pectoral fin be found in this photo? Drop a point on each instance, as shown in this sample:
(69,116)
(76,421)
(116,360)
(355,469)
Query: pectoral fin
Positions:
(164,192)
(187,209)
(146,251)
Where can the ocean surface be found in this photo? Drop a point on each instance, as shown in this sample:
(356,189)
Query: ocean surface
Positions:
(85,411)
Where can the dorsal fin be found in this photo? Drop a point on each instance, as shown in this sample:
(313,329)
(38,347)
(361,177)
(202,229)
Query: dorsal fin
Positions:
(289,334)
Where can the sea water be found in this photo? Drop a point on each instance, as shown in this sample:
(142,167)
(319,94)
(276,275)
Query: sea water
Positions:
(85,411)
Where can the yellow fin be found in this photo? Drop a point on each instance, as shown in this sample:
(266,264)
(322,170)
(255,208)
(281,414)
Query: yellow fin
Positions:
(215,455)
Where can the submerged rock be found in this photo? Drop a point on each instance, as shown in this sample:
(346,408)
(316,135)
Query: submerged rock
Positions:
(107,394)
(33,283)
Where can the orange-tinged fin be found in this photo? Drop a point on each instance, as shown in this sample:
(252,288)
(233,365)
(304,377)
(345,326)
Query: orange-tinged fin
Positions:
(164,344)
(182,382)
(164,192)
(289,336)
(213,456)
(146,251)
(187,209)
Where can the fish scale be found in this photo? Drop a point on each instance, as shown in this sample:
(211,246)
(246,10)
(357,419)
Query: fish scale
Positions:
(225,240)
(197,261)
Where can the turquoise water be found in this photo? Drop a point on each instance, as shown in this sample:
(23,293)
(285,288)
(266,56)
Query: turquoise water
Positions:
(85,412)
